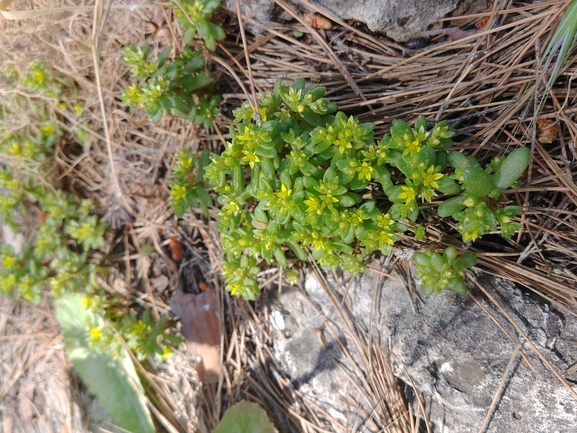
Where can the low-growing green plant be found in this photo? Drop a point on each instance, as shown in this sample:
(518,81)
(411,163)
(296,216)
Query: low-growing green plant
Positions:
(319,182)
(476,210)
(187,184)
(64,230)
(194,17)
(170,86)
(436,272)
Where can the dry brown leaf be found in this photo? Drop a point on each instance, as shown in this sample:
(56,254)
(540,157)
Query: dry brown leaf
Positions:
(483,21)
(205,287)
(547,131)
(176,248)
(201,329)
(317,21)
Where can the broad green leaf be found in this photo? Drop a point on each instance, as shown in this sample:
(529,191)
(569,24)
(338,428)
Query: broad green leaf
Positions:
(458,160)
(450,255)
(110,375)
(458,286)
(448,185)
(478,182)
(451,206)
(189,35)
(469,259)
(216,31)
(513,167)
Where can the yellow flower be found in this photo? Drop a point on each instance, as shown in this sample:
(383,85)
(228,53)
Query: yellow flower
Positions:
(8,261)
(185,163)
(343,143)
(139,327)
(262,112)
(250,158)
(318,241)
(48,129)
(408,194)
(385,237)
(246,136)
(430,178)
(166,352)
(15,149)
(355,219)
(39,76)
(95,334)
(312,204)
(412,147)
(235,287)
(327,200)
(470,236)
(384,221)
(7,282)
(428,194)
(284,192)
(365,170)
(178,192)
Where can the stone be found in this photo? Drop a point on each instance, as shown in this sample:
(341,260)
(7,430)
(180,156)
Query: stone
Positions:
(398,19)
(452,350)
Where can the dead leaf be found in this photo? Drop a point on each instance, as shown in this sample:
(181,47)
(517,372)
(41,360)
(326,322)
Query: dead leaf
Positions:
(205,287)
(547,131)
(317,21)
(201,329)
(483,21)
(176,248)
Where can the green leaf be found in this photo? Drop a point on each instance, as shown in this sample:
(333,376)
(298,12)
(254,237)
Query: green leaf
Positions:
(450,255)
(297,249)
(428,290)
(298,84)
(311,117)
(266,151)
(163,57)
(189,35)
(200,80)
(478,182)
(512,168)
(458,160)
(156,116)
(109,376)
(422,260)
(458,286)
(217,32)
(245,417)
(469,259)
(448,185)
(203,31)
(451,206)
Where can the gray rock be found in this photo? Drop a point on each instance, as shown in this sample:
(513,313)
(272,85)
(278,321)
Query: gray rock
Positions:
(399,19)
(453,351)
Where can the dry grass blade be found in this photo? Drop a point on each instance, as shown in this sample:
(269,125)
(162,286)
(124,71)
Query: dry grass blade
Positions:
(36,13)
(500,388)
